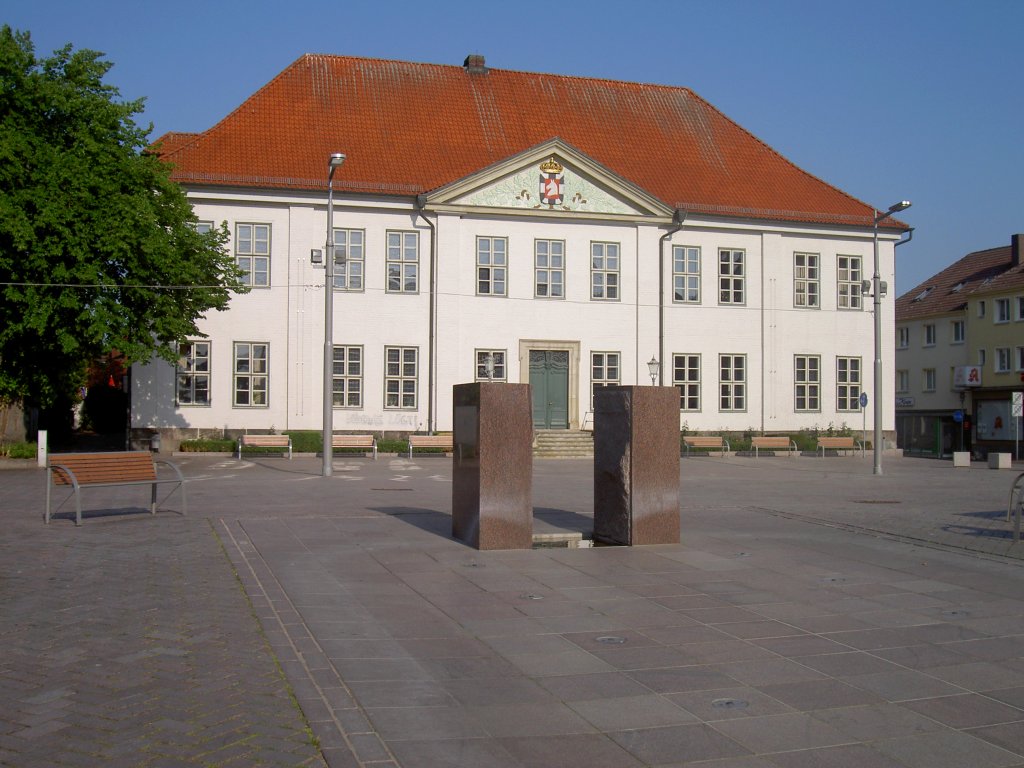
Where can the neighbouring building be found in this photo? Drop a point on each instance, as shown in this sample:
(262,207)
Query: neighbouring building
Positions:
(560,231)
(960,355)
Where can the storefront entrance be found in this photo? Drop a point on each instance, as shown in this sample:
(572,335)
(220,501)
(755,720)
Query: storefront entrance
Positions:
(549,380)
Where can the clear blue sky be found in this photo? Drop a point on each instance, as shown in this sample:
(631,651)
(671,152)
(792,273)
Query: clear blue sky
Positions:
(887,101)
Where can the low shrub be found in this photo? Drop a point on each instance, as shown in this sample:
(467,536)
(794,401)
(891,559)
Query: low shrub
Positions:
(18,450)
(207,445)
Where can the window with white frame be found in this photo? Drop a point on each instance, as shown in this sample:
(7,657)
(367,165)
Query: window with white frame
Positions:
(549,269)
(1002,311)
(1020,308)
(686,376)
(202,227)
(929,334)
(957,332)
(490,365)
(401,365)
(848,383)
(491,266)
(848,282)
(731,277)
(807,382)
(806,280)
(686,274)
(349,259)
(604,371)
(347,382)
(403,260)
(981,308)
(252,380)
(193,374)
(732,382)
(1002,359)
(1020,358)
(982,357)
(604,271)
(902,337)
(928,383)
(252,254)
(902,382)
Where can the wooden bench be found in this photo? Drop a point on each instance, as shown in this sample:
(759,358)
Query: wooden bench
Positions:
(772,443)
(97,470)
(708,442)
(839,444)
(366,442)
(444,442)
(264,441)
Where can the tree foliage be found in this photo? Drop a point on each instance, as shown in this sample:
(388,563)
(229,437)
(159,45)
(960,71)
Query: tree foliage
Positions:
(98,247)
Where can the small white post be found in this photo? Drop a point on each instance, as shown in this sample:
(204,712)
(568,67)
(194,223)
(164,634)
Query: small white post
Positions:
(41,448)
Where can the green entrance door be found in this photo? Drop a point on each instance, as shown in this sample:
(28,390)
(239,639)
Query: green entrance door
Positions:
(549,380)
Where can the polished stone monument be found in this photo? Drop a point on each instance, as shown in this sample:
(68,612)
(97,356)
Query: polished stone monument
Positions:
(492,476)
(636,465)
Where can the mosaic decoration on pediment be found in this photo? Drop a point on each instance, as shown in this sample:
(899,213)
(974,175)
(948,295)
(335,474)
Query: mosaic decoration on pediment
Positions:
(548,187)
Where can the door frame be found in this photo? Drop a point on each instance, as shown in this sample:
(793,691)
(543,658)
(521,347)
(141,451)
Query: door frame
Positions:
(545,345)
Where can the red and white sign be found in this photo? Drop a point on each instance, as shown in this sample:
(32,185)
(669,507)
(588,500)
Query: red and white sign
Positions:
(967,376)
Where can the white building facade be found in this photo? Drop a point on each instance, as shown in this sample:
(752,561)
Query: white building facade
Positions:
(545,267)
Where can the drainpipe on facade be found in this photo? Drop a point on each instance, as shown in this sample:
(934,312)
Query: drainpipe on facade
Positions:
(678,220)
(421,201)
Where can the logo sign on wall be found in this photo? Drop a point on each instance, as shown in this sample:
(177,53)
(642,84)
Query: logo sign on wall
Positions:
(552,185)
(965,376)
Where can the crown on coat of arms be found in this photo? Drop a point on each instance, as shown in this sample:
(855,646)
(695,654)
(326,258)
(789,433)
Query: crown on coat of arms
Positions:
(551,166)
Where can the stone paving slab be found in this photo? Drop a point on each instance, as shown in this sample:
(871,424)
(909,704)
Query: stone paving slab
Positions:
(814,615)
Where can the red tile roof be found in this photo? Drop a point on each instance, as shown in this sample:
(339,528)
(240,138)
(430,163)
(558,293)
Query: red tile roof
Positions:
(979,272)
(411,128)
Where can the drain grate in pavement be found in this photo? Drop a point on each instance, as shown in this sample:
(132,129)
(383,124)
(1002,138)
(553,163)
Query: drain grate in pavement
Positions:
(730,704)
(610,640)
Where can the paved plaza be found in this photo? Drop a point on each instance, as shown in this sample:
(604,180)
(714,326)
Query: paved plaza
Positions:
(814,615)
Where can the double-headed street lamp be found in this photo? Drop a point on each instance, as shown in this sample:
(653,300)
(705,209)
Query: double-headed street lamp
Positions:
(876,290)
(333,163)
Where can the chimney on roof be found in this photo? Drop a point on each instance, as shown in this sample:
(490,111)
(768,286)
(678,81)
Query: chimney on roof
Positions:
(1015,250)
(474,64)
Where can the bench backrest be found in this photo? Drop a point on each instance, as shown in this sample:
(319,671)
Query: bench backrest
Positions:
(265,441)
(835,442)
(703,442)
(352,441)
(107,467)
(770,442)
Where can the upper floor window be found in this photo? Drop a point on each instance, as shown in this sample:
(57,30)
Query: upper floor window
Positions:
(902,337)
(928,384)
(1020,358)
(807,383)
(604,271)
(902,381)
(403,261)
(490,365)
(981,308)
(805,280)
(848,283)
(202,227)
(193,375)
(686,376)
(929,334)
(731,276)
(848,383)
(604,371)
(347,383)
(349,259)
(491,266)
(732,382)
(1002,359)
(252,378)
(1020,308)
(252,253)
(1002,311)
(549,269)
(981,358)
(686,274)
(957,328)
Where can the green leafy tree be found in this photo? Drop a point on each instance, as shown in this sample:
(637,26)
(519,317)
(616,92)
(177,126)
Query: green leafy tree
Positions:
(98,247)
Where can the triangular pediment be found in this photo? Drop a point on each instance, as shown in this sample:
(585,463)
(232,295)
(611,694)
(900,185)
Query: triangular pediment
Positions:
(551,178)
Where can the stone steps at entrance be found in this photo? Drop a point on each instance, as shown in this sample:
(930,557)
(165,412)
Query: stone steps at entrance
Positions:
(563,444)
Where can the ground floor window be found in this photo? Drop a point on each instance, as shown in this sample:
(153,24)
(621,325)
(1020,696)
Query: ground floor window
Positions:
(401,366)
(193,386)
(686,376)
(732,382)
(490,365)
(604,371)
(347,383)
(807,383)
(251,374)
(848,383)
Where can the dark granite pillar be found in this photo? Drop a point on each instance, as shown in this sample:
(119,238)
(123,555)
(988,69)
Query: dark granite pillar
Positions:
(636,465)
(492,477)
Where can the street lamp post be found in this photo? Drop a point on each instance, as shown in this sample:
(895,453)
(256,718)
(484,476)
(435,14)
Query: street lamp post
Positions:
(876,290)
(333,163)
(653,368)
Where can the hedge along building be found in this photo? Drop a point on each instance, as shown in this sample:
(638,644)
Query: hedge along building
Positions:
(555,230)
